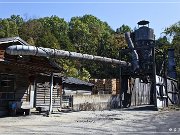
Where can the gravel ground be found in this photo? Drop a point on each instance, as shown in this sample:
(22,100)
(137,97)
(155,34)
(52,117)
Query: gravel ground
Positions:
(94,122)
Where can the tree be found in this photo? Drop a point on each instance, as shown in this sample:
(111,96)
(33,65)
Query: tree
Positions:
(59,28)
(32,30)
(123,29)
(8,28)
(174,33)
(17,19)
(163,42)
(90,35)
(48,40)
(86,33)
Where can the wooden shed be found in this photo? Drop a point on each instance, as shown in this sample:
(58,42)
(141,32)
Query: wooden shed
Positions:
(64,88)
(74,86)
(18,75)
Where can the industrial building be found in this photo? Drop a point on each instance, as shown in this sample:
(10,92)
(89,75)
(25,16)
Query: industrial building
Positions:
(29,78)
(25,82)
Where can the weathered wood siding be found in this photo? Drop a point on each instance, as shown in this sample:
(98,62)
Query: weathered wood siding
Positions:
(106,86)
(43,96)
(173,92)
(13,87)
(140,93)
(22,88)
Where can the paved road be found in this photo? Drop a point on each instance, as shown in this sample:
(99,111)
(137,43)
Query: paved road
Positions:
(94,122)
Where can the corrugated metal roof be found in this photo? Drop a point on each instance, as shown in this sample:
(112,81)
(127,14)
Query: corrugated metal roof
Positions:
(71,80)
(13,39)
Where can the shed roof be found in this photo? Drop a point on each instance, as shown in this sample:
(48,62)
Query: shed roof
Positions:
(35,63)
(71,80)
(13,40)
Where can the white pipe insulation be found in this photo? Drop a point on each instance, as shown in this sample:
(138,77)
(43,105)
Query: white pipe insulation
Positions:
(48,52)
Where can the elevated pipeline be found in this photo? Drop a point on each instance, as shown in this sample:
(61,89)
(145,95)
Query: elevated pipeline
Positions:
(48,52)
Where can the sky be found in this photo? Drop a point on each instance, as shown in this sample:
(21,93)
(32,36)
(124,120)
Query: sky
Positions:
(160,13)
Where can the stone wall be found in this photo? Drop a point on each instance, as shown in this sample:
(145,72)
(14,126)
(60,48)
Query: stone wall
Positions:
(91,102)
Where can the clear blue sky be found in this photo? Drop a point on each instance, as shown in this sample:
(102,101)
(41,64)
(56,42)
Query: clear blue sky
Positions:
(160,13)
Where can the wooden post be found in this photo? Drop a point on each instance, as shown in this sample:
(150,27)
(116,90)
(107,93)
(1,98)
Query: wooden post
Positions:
(51,94)
(120,82)
(165,77)
(61,91)
(35,92)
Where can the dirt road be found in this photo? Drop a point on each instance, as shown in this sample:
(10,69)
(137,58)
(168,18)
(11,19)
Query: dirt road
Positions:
(94,122)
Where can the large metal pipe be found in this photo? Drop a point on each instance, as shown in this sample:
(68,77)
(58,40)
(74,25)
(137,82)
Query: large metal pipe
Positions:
(134,55)
(48,52)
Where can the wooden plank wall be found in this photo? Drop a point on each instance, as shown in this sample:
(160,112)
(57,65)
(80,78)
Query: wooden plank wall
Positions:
(106,86)
(2,55)
(21,88)
(43,95)
(15,89)
(140,92)
(172,87)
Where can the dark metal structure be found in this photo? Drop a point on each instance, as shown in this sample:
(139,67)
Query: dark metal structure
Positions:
(143,40)
(171,64)
(141,45)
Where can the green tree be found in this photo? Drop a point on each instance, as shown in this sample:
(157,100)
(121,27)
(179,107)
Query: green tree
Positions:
(48,40)
(59,28)
(86,33)
(8,28)
(123,29)
(32,31)
(90,35)
(17,19)
(174,33)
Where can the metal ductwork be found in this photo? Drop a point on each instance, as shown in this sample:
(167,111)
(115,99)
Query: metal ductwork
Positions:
(48,52)
(134,55)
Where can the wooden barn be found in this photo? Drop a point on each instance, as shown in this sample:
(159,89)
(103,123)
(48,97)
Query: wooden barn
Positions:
(18,75)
